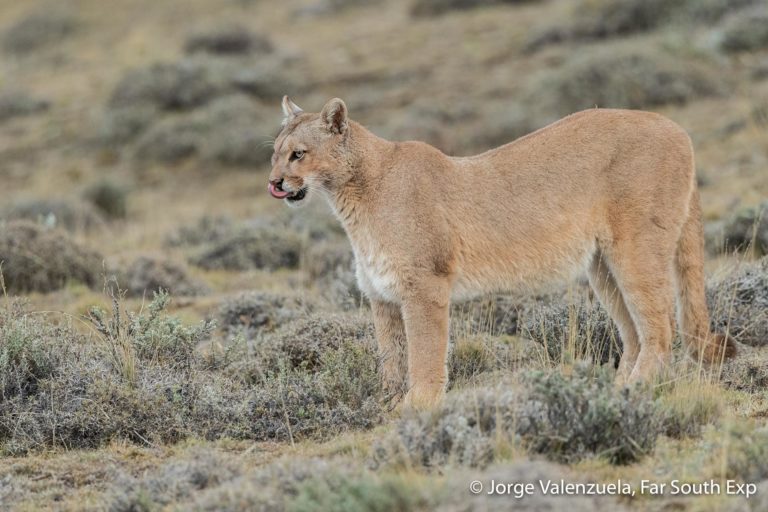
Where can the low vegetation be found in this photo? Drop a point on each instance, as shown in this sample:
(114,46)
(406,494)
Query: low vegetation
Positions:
(42,259)
(739,303)
(74,216)
(746,30)
(39,30)
(437,7)
(18,104)
(143,379)
(631,78)
(252,248)
(605,19)
(148,274)
(562,417)
(574,329)
(253,312)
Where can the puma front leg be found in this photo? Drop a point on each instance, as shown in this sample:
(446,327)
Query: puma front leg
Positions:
(390,335)
(426,323)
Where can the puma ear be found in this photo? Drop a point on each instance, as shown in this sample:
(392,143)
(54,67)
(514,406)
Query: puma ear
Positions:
(335,116)
(290,109)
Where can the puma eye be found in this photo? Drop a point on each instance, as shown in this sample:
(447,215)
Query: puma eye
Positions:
(297,155)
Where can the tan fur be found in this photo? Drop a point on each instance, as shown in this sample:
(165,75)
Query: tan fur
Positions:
(612,192)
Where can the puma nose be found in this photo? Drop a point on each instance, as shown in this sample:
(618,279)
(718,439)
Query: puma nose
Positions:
(277,183)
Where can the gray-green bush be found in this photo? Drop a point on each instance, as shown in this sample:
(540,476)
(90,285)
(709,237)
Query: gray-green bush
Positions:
(144,379)
(259,247)
(603,19)
(570,330)
(565,418)
(747,228)
(738,303)
(622,79)
(72,215)
(423,8)
(251,313)
(331,267)
(19,104)
(38,30)
(31,350)
(148,274)
(35,258)
(746,30)
(109,197)
(227,40)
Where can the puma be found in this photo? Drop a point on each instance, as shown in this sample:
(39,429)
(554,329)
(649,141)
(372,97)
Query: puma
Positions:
(612,192)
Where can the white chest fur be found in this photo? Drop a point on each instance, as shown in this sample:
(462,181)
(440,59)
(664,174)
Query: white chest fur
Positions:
(376,272)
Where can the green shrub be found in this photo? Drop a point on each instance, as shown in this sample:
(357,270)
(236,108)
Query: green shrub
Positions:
(746,30)
(603,19)
(747,229)
(471,358)
(145,382)
(35,258)
(31,350)
(147,274)
(631,78)
(331,7)
(366,491)
(206,229)
(174,481)
(738,303)
(331,267)
(254,312)
(746,452)
(341,392)
(19,104)
(230,130)
(260,247)
(606,19)
(109,197)
(38,30)
(425,8)
(228,40)
(495,315)
(686,406)
(270,487)
(168,86)
(74,216)
(303,342)
(467,429)
(151,336)
(199,106)
(747,372)
(582,330)
(567,418)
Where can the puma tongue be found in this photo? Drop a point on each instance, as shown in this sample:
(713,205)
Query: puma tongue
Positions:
(280,194)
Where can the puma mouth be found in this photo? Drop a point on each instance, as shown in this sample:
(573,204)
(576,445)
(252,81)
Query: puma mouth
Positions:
(279,193)
(294,197)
